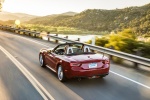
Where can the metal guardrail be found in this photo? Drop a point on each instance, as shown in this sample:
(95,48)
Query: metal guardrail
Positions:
(126,56)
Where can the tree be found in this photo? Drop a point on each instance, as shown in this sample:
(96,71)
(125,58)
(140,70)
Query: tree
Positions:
(122,41)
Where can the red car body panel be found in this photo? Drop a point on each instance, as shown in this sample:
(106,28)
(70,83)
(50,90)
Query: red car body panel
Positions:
(75,66)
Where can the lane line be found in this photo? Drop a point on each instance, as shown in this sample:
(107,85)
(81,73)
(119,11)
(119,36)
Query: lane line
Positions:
(37,42)
(31,40)
(148,87)
(42,91)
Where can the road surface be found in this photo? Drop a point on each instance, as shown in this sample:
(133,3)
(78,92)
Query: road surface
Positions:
(123,83)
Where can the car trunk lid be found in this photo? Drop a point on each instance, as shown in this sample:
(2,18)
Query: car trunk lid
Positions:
(86,58)
(88,61)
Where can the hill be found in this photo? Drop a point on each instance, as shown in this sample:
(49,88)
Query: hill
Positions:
(137,18)
(70,13)
(6,16)
(52,19)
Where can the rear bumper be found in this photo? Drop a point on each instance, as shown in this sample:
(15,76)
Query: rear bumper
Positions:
(91,76)
(75,72)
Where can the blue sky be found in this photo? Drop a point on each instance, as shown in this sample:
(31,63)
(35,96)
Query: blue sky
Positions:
(47,7)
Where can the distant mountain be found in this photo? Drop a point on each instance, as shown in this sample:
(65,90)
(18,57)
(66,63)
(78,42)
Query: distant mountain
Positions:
(70,13)
(137,18)
(54,18)
(5,16)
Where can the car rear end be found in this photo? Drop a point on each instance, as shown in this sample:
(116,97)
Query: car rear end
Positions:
(88,68)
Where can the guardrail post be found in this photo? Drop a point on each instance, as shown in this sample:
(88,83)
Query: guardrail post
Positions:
(6,28)
(23,31)
(2,27)
(56,40)
(48,36)
(56,35)
(111,57)
(29,32)
(19,30)
(41,36)
(66,37)
(135,65)
(10,28)
(78,39)
(34,34)
(15,31)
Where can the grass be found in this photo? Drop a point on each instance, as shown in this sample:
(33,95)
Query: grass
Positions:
(62,30)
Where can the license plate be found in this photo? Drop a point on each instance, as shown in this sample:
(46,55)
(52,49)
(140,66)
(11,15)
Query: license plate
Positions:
(93,65)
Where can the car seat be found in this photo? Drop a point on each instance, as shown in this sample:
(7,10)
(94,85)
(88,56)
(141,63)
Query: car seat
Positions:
(86,49)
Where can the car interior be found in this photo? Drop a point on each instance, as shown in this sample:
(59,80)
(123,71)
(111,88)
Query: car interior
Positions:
(71,49)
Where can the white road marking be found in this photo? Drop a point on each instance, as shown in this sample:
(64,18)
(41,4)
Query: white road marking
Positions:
(34,41)
(148,87)
(131,80)
(42,91)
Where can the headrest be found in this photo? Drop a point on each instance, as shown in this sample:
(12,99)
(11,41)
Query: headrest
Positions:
(86,49)
(69,50)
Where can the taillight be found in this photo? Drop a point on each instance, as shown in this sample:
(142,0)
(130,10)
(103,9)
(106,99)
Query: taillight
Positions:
(74,64)
(106,61)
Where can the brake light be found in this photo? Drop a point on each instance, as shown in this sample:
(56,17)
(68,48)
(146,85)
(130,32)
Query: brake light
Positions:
(106,61)
(74,64)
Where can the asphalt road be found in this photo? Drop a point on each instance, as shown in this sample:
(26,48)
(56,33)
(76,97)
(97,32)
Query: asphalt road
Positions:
(123,83)
(13,84)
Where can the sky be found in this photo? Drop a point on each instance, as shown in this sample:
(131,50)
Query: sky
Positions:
(48,7)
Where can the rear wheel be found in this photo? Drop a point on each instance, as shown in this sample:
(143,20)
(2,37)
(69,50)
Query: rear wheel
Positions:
(60,74)
(42,63)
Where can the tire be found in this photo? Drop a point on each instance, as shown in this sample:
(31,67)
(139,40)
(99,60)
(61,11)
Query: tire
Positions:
(41,60)
(60,74)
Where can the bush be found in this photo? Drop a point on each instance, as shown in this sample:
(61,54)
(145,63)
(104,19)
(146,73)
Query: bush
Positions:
(99,41)
(117,60)
(144,49)
(124,41)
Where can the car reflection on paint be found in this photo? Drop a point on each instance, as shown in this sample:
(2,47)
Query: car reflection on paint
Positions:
(74,60)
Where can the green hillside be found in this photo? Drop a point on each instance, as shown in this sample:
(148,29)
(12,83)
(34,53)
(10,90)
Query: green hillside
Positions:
(136,18)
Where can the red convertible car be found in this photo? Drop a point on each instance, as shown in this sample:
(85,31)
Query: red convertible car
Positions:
(74,60)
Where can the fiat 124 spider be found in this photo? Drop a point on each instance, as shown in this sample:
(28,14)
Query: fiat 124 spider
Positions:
(74,60)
